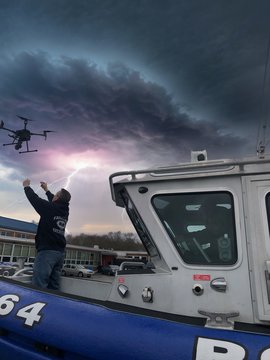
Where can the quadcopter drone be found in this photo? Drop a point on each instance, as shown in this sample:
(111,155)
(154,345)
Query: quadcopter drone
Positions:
(23,135)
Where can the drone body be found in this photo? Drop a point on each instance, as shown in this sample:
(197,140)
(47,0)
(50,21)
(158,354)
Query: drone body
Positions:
(23,135)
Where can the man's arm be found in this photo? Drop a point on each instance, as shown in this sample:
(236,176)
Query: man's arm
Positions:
(40,205)
(44,186)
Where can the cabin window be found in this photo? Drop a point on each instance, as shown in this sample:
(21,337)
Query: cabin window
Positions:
(201,226)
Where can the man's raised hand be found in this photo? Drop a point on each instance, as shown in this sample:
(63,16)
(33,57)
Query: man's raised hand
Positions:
(26,182)
(44,186)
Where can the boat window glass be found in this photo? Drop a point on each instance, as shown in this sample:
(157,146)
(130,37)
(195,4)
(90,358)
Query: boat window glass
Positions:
(139,225)
(201,226)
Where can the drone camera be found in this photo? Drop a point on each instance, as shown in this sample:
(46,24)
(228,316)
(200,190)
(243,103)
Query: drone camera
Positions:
(18,146)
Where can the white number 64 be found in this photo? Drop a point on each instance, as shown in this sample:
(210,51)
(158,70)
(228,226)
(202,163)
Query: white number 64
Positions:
(30,312)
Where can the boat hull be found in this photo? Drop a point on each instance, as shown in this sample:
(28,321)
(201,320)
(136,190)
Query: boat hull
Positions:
(37,324)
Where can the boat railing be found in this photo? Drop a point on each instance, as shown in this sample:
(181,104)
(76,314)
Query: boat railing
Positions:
(186,168)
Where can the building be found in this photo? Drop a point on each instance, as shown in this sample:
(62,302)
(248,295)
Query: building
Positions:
(130,255)
(17,241)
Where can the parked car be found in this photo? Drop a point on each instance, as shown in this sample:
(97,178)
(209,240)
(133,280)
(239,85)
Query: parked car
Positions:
(109,270)
(7,270)
(76,270)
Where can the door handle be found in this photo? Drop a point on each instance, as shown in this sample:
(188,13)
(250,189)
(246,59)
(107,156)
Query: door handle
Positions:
(219,284)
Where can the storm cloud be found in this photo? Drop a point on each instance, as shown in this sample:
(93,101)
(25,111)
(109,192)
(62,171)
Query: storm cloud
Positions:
(92,108)
(126,85)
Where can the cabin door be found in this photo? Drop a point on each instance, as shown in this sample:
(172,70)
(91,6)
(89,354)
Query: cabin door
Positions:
(198,229)
(258,225)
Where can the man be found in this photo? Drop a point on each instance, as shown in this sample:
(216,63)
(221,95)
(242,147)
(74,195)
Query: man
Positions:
(50,238)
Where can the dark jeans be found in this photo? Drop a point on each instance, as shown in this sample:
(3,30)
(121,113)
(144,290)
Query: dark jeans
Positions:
(47,269)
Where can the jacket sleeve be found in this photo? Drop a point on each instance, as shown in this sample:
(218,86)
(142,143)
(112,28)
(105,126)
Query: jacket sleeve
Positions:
(49,195)
(40,205)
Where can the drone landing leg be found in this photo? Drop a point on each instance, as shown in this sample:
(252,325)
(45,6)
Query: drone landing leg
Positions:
(29,151)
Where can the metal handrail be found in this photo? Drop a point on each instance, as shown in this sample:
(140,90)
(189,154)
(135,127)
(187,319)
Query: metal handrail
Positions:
(175,170)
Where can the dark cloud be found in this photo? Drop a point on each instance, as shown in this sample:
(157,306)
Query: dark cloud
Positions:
(93,108)
(168,76)
(126,84)
(210,55)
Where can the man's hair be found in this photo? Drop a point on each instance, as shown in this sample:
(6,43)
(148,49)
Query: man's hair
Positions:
(65,196)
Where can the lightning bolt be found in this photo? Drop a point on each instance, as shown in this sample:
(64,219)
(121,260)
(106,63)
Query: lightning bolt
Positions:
(67,184)
(79,168)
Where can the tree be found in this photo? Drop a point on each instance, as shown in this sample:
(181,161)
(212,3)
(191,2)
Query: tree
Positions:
(112,240)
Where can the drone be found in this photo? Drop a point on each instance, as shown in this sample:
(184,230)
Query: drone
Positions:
(23,135)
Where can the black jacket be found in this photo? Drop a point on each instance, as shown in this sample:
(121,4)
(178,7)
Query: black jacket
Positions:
(53,218)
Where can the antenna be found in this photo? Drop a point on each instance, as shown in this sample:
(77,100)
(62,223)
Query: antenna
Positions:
(261,142)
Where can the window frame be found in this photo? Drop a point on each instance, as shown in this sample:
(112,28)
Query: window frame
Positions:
(140,227)
(267,209)
(171,235)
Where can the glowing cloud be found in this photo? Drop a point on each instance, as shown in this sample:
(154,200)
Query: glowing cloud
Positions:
(72,164)
(79,167)
(75,161)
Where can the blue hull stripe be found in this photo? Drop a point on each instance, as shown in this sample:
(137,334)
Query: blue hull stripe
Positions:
(96,332)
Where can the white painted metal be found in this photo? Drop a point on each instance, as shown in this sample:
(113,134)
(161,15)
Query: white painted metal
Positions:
(256,189)
(173,289)
(173,284)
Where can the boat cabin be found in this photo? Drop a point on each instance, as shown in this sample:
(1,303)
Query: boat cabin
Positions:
(205,226)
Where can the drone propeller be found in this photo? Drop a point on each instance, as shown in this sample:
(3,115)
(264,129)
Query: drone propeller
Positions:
(47,131)
(24,118)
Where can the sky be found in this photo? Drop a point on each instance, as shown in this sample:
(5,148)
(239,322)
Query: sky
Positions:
(125,85)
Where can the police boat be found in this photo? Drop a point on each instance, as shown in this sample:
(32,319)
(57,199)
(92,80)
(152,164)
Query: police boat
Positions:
(205,226)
